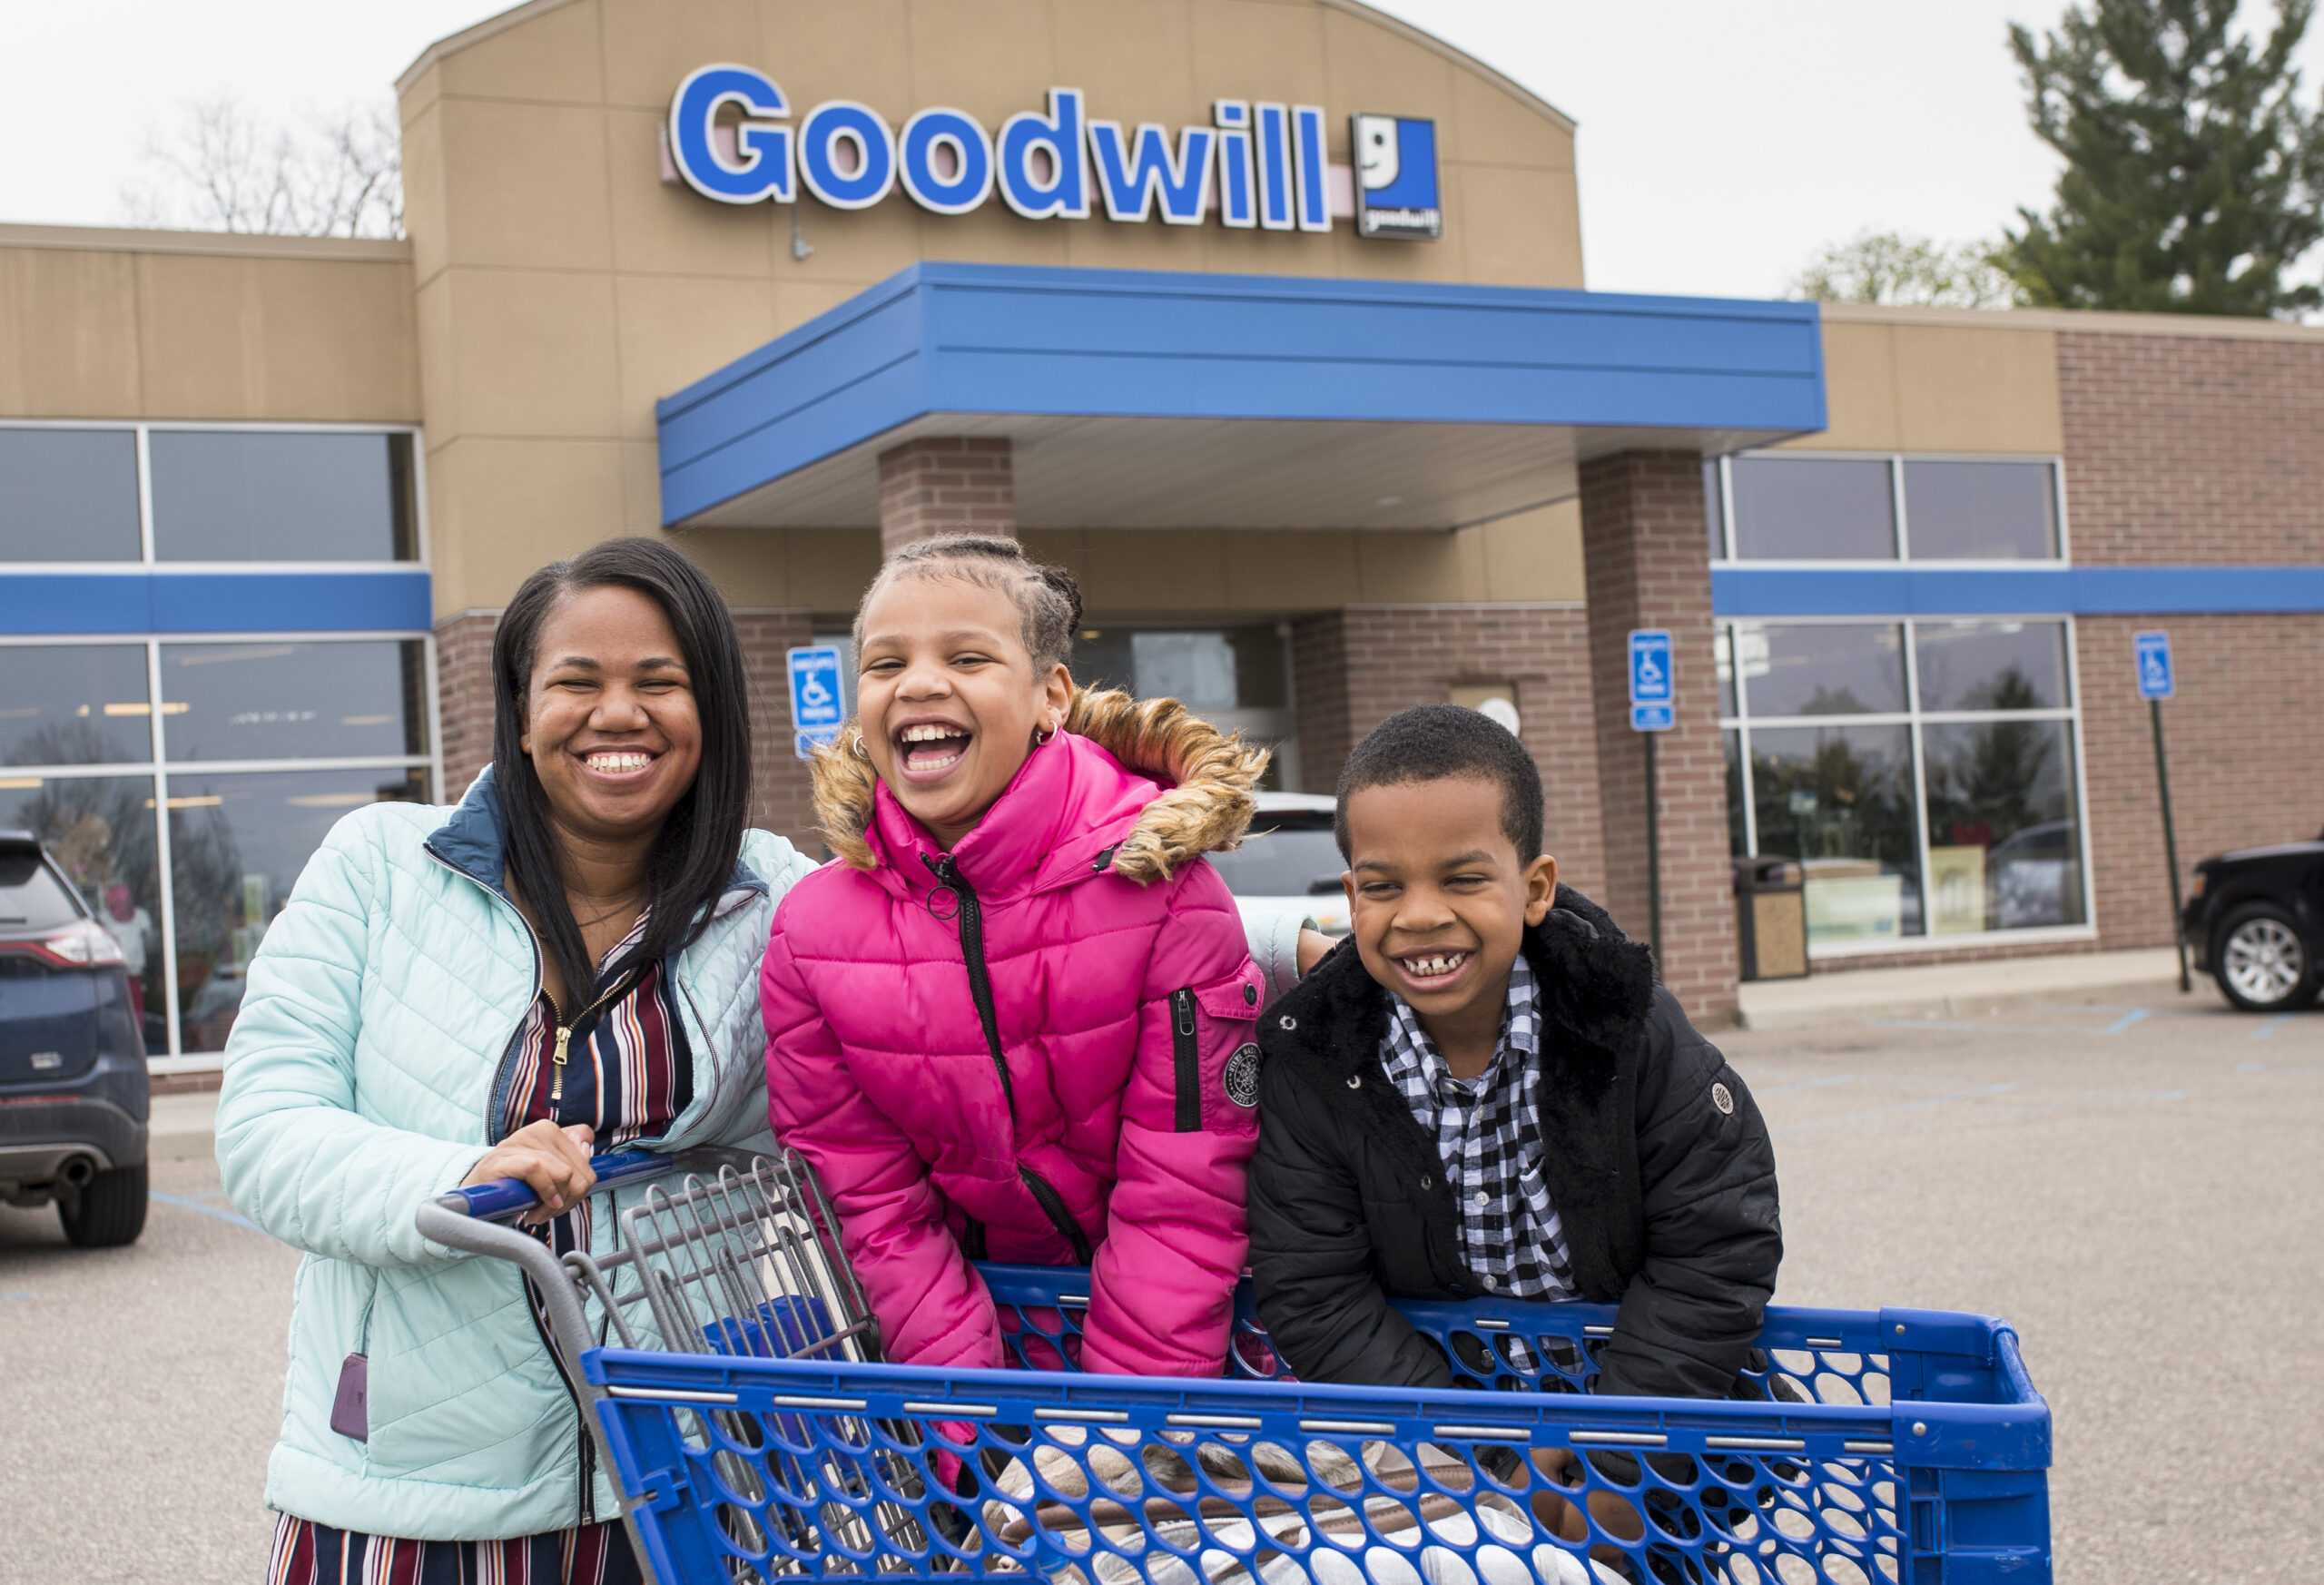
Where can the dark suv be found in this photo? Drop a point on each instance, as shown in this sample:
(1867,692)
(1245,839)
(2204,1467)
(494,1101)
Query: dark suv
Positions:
(73,1091)
(2255,921)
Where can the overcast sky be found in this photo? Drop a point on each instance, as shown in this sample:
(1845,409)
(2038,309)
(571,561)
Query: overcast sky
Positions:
(1721,141)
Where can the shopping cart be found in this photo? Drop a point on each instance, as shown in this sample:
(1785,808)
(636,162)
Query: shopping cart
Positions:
(735,1384)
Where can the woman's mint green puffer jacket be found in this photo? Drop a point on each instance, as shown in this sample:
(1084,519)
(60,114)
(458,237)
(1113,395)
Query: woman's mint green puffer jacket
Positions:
(364,1077)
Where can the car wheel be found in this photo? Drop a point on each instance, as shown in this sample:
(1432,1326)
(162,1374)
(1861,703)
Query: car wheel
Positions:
(2262,963)
(109,1211)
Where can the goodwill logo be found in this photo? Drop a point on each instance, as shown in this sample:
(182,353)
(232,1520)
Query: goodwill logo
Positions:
(1259,165)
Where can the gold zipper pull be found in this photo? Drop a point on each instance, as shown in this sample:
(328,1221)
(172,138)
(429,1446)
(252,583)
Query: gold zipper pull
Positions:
(556,1080)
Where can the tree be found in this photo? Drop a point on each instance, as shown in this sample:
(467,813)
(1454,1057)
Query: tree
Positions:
(1898,267)
(224,169)
(2193,174)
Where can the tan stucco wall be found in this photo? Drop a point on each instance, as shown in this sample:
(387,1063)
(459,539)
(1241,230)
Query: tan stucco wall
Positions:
(1898,380)
(118,324)
(563,286)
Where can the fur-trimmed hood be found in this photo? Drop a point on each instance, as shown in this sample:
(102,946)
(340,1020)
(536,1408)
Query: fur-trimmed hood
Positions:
(1207,777)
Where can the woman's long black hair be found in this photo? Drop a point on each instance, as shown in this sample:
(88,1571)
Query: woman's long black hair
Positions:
(703,837)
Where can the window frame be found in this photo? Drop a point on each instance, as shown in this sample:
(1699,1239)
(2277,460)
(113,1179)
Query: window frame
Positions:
(146,561)
(1913,718)
(1895,461)
(157,765)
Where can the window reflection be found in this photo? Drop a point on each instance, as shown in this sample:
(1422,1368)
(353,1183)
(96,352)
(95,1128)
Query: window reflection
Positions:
(293,700)
(69,495)
(1803,509)
(99,830)
(1840,799)
(1234,677)
(1989,511)
(74,705)
(1822,668)
(239,494)
(237,844)
(2005,849)
(1991,666)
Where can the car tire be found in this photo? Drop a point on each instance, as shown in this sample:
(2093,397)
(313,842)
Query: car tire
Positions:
(2261,962)
(108,1212)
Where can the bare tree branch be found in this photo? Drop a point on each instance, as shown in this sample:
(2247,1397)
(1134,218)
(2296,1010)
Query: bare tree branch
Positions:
(223,168)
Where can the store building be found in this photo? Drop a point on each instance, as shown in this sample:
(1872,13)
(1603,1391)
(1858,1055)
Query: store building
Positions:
(1265,315)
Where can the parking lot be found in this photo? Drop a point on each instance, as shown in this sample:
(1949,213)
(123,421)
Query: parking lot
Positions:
(2138,1188)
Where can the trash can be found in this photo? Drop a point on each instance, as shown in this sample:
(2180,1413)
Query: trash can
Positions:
(1771,917)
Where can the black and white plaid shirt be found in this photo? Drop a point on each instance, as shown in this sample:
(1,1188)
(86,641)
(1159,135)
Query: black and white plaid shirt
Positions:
(1488,1131)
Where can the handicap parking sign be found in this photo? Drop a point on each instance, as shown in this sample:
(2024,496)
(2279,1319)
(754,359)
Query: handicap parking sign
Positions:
(817,707)
(2152,651)
(1653,699)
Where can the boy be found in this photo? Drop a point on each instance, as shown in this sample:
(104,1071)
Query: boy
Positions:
(1484,1092)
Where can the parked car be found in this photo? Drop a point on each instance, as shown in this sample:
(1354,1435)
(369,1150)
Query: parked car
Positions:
(1290,860)
(74,1097)
(2255,922)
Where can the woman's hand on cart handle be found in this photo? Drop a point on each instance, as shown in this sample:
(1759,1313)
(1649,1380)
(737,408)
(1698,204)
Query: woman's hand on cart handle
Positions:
(551,1161)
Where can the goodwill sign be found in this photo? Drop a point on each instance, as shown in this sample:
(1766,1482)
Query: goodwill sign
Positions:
(1260,165)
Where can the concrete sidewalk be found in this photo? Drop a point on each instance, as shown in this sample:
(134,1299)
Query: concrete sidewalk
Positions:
(180,1127)
(1966,990)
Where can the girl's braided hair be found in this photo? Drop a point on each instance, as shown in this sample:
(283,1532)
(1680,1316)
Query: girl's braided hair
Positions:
(1048,600)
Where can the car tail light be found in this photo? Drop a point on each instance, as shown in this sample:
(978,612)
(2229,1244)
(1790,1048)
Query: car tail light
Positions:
(2202,879)
(85,945)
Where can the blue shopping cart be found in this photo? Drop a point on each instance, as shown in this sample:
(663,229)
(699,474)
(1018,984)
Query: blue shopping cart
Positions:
(756,1434)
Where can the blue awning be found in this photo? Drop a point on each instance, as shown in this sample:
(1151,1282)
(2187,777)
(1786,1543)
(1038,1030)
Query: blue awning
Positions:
(1147,399)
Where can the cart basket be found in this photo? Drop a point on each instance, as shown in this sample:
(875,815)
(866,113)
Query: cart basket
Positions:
(754,1432)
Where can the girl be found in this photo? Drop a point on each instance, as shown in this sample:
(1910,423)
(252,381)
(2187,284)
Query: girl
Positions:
(1014,1021)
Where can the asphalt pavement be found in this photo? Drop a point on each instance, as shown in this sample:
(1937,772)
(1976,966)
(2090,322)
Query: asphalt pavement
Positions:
(2137,1187)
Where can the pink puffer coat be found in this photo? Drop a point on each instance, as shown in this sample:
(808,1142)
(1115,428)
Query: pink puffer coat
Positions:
(1120,991)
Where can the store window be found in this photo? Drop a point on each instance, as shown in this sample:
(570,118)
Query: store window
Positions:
(261,495)
(76,705)
(1922,772)
(68,495)
(1791,508)
(1237,678)
(99,830)
(293,700)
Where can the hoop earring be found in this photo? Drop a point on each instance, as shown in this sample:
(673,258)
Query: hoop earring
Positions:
(1041,735)
(861,752)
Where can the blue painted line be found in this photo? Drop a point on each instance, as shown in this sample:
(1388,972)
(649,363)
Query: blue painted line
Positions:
(2126,1020)
(2270,1026)
(26,1293)
(184,1202)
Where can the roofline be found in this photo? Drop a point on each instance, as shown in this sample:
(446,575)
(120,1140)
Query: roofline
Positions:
(239,244)
(454,43)
(2089,321)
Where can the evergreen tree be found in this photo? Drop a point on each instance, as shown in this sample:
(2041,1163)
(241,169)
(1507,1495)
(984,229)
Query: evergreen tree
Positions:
(2192,176)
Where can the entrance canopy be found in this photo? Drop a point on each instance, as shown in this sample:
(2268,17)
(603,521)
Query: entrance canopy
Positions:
(1147,399)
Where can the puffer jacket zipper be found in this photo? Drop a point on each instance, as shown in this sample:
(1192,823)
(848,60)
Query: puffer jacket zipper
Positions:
(971,922)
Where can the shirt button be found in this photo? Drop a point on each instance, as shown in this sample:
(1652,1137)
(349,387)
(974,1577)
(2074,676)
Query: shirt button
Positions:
(1490,1281)
(1483,1199)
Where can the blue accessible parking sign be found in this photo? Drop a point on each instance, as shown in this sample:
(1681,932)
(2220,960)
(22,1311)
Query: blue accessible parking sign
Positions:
(2153,653)
(817,707)
(1653,697)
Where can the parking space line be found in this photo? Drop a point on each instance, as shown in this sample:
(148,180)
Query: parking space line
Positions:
(2126,1020)
(184,1203)
(2270,1027)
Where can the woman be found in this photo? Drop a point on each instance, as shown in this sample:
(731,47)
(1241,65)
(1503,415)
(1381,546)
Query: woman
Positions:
(566,962)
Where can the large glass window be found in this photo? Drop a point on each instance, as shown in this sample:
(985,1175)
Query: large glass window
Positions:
(69,495)
(74,705)
(1236,678)
(1790,508)
(257,494)
(1938,798)
(99,830)
(293,700)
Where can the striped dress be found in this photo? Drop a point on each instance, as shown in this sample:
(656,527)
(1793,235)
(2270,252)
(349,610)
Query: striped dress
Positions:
(627,1075)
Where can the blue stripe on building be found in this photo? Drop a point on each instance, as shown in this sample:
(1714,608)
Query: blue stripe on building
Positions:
(2078,591)
(216,601)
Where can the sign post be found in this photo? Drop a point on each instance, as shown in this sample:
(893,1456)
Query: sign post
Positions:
(818,707)
(1653,709)
(2157,683)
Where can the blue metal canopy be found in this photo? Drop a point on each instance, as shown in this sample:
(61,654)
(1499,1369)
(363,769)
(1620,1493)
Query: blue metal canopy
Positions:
(1141,397)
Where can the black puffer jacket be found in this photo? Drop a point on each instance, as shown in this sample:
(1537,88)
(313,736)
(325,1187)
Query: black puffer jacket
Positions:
(1667,1197)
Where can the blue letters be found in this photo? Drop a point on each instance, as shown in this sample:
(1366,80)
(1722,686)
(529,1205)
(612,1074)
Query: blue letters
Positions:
(839,121)
(971,156)
(1315,198)
(1066,194)
(1234,205)
(1274,168)
(762,166)
(1130,184)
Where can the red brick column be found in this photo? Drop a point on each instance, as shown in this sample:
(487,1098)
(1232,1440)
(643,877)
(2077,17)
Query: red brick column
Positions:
(781,797)
(1645,567)
(464,697)
(946,484)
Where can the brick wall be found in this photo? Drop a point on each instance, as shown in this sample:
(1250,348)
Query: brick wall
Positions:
(779,788)
(2190,451)
(946,484)
(1352,668)
(1643,541)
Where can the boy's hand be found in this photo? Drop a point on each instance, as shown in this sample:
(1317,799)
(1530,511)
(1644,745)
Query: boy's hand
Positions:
(1561,1519)
(1312,946)
(554,1163)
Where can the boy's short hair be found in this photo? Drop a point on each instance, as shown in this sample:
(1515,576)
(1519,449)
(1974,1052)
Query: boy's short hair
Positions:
(1434,743)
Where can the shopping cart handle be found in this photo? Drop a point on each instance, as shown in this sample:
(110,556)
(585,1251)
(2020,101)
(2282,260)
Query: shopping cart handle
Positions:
(491,1202)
